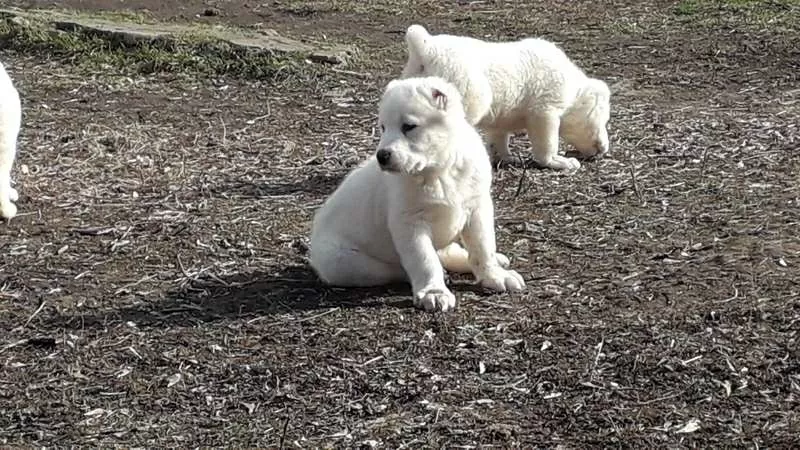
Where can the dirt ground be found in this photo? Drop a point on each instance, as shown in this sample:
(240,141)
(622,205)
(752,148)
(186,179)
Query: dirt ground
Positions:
(154,291)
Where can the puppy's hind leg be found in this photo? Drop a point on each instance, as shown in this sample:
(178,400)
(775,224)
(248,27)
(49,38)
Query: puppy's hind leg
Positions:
(479,240)
(341,266)
(498,146)
(455,258)
(543,133)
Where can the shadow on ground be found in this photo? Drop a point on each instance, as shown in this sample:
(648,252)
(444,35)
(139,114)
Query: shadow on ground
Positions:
(210,299)
(317,184)
(293,290)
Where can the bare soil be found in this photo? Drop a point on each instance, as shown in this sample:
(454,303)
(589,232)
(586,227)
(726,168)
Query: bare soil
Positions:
(154,289)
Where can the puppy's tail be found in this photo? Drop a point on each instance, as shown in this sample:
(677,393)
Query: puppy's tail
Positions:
(416,39)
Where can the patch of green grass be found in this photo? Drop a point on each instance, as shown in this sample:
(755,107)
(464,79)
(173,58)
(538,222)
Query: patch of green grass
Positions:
(760,2)
(687,7)
(693,6)
(190,52)
(690,7)
(121,16)
(763,13)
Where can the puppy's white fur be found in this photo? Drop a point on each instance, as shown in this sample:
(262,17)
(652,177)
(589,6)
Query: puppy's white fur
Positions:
(510,86)
(10,119)
(401,219)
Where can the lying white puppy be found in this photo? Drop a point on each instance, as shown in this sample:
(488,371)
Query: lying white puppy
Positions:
(511,86)
(399,216)
(10,119)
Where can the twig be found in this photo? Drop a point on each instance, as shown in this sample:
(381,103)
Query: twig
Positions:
(283,433)
(224,132)
(635,185)
(613,424)
(183,269)
(97,231)
(597,356)
(350,72)
(521,177)
(316,316)
(375,359)
(38,310)
(135,283)
(735,296)
(304,319)
(14,344)
(703,164)
(660,399)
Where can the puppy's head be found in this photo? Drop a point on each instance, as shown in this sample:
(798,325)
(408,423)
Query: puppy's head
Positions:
(418,118)
(584,124)
(417,41)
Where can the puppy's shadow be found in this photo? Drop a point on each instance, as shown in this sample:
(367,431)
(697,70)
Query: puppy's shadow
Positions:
(522,160)
(245,295)
(251,296)
(295,288)
(316,184)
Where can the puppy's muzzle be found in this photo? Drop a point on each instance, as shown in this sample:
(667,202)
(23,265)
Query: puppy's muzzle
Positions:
(384,157)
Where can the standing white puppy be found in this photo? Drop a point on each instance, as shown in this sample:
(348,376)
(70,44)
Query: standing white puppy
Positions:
(10,120)
(400,215)
(511,86)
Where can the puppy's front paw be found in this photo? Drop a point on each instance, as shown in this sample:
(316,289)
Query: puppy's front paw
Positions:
(435,299)
(502,280)
(13,195)
(8,210)
(571,164)
(563,163)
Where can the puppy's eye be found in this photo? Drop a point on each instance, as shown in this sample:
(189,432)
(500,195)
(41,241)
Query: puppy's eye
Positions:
(407,127)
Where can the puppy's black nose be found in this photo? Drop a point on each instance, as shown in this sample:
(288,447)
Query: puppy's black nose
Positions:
(383,156)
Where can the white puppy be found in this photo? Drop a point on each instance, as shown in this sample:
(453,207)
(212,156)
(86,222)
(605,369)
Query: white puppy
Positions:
(400,215)
(511,86)
(10,119)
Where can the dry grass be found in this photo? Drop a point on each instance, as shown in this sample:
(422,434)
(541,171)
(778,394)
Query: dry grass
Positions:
(154,288)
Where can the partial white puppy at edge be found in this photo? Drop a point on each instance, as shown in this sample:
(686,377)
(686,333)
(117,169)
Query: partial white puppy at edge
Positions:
(10,120)
(400,215)
(526,85)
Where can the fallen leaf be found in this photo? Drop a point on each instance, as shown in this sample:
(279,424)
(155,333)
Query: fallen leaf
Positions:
(173,380)
(689,427)
(95,412)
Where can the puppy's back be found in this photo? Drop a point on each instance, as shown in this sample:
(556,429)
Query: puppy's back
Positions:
(355,207)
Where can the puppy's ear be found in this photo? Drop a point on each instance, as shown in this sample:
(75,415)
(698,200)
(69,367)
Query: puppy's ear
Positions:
(442,95)
(599,87)
(417,39)
(439,98)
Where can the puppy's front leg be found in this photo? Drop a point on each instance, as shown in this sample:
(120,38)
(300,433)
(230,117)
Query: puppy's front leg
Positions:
(498,145)
(543,133)
(421,262)
(479,240)
(477,96)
